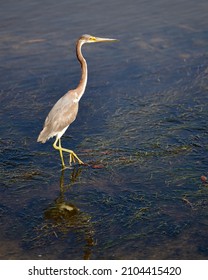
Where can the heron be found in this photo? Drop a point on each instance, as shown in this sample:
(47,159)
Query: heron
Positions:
(65,110)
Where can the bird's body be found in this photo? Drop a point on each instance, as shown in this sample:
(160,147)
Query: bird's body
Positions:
(65,110)
(62,114)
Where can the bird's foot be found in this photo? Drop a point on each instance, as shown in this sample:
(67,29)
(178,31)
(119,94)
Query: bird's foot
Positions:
(73,157)
(64,167)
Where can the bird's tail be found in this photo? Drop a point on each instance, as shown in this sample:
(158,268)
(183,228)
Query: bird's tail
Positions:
(43,136)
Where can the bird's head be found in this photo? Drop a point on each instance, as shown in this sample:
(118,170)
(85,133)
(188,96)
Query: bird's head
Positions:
(91,39)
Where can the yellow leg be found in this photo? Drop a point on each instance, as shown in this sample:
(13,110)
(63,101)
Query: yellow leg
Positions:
(61,153)
(59,148)
(72,156)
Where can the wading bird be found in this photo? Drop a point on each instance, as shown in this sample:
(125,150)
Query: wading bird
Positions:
(65,110)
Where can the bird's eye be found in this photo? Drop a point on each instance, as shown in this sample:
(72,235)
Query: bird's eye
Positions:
(92,39)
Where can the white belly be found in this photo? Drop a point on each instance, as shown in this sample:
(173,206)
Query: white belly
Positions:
(59,134)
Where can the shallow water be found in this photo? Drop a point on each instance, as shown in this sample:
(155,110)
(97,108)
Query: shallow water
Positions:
(141,127)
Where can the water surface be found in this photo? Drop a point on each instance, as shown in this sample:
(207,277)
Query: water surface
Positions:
(141,127)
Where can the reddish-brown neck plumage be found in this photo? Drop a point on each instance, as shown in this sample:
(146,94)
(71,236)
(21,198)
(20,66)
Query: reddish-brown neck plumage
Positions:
(83,81)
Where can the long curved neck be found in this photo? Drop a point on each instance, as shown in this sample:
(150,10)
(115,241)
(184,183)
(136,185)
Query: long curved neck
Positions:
(83,81)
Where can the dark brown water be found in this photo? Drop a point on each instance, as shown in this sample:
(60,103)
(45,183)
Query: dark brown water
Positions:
(143,120)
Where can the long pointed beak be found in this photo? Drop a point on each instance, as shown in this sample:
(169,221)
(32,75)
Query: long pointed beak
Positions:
(98,39)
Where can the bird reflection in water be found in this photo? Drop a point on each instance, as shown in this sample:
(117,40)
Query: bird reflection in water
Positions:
(64,217)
